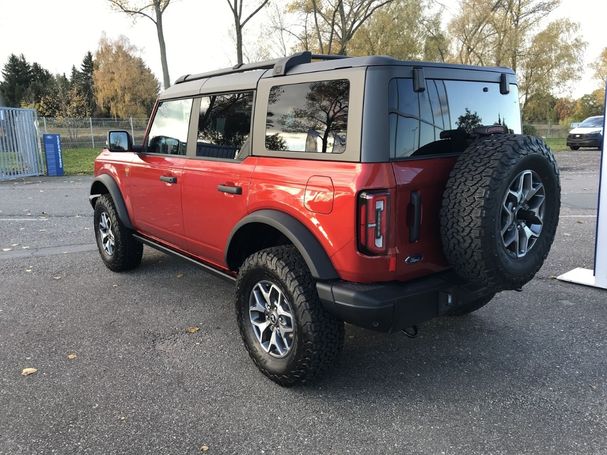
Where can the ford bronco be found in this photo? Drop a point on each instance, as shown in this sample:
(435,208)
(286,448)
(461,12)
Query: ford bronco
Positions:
(365,190)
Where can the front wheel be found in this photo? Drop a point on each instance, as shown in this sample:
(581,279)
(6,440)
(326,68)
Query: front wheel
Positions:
(119,250)
(285,329)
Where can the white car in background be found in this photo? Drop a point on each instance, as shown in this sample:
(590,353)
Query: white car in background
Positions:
(589,133)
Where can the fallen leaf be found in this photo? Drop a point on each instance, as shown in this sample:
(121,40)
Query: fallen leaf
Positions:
(56,277)
(192,329)
(28,371)
(25,247)
(6,249)
(580,222)
(15,244)
(204,448)
(28,270)
(123,418)
(72,356)
(114,285)
(179,275)
(553,277)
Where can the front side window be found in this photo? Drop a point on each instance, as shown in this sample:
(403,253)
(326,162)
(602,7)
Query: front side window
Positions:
(224,125)
(169,131)
(309,117)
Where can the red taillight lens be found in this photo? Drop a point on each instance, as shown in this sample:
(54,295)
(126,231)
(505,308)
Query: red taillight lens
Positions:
(373,222)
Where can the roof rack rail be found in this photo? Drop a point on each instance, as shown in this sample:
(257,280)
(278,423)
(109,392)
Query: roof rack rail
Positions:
(280,66)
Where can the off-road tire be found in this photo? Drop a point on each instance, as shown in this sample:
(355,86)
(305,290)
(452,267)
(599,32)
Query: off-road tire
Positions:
(472,209)
(127,250)
(318,336)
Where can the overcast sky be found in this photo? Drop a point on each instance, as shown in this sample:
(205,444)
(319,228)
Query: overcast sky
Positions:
(58,33)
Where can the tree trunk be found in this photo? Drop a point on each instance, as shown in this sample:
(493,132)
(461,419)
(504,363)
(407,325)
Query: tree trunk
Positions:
(163,51)
(238,43)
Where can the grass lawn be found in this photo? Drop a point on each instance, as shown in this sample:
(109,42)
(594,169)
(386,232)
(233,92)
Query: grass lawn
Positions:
(557,144)
(79,161)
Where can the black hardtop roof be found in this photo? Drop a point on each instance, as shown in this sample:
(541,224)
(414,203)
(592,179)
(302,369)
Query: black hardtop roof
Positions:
(305,62)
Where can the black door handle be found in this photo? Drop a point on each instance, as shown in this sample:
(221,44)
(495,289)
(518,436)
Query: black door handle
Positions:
(229,189)
(168,179)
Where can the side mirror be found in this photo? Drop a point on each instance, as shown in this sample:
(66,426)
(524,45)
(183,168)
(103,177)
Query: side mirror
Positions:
(119,141)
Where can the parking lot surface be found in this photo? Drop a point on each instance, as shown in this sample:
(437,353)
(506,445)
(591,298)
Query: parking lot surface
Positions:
(525,374)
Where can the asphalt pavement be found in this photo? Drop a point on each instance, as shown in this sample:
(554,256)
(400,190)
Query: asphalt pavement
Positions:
(527,374)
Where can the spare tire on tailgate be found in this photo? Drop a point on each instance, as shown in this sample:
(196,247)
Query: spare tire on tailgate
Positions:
(500,211)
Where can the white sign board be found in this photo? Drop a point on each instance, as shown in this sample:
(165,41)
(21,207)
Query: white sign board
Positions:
(598,276)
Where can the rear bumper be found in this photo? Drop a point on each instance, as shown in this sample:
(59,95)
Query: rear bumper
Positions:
(388,307)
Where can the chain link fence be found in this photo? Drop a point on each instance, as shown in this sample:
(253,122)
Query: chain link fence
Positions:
(549,131)
(90,132)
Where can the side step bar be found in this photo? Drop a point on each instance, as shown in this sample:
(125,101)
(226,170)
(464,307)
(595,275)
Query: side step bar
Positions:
(172,252)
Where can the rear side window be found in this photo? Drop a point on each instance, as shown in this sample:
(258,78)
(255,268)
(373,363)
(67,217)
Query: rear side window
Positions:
(169,131)
(224,125)
(417,119)
(309,117)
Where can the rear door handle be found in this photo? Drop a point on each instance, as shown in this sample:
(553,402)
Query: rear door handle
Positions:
(168,179)
(415,216)
(229,189)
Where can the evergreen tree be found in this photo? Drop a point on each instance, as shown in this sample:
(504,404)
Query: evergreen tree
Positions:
(40,84)
(86,79)
(17,76)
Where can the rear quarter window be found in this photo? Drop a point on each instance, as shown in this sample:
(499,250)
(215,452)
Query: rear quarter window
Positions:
(308,117)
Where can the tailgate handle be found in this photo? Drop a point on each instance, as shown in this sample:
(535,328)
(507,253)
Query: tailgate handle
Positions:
(415,216)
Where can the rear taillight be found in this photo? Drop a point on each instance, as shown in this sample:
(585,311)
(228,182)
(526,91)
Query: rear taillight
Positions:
(373,222)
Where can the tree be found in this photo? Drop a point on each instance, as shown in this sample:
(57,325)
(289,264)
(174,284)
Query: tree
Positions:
(600,68)
(495,32)
(87,90)
(152,10)
(330,25)
(404,30)
(552,60)
(589,105)
(41,82)
(17,77)
(240,20)
(124,86)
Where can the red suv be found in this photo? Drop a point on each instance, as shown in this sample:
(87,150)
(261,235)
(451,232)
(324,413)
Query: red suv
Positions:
(368,190)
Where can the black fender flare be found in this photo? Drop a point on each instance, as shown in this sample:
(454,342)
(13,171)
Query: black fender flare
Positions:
(307,244)
(114,191)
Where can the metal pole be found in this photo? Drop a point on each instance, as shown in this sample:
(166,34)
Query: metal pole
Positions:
(600,252)
(132,130)
(44,120)
(92,136)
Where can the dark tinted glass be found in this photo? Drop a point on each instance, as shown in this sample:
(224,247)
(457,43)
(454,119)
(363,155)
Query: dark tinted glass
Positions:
(473,104)
(419,119)
(224,125)
(309,117)
(169,131)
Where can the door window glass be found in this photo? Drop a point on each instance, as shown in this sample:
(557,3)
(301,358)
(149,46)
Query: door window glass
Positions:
(224,125)
(169,131)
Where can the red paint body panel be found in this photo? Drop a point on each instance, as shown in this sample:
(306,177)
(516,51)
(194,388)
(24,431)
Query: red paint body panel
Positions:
(210,215)
(197,219)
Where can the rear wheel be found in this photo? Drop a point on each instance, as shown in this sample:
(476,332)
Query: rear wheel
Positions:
(287,333)
(119,250)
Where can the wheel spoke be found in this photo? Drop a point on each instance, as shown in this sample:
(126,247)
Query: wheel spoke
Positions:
(272,318)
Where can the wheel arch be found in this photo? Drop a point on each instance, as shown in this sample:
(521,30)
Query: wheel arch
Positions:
(105,184)
(272,228)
